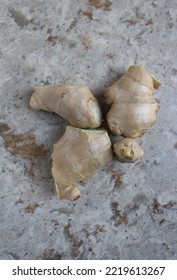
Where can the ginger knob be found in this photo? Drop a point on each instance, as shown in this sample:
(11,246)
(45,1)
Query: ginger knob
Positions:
(134,107)
(128,150)
(76,157)
(76,104)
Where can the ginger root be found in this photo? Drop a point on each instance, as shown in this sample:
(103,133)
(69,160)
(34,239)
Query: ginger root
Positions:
(76,104)
(76,157)
(128,150)
(80,152)
(134,107)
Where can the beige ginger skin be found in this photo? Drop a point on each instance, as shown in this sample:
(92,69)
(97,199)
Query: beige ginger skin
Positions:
(81,152)
(76,104)
(128,150)
(134,107)
(76,157)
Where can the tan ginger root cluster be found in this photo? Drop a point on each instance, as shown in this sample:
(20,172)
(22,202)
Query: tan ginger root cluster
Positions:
(80,152)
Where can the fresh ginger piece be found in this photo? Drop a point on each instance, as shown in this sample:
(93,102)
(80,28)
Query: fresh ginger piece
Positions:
(76,104)
(134,107)
(76,157)
(128,150)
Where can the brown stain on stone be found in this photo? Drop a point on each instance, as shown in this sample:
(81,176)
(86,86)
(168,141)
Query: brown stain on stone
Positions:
(117,176)
(31,207)
(86,41)
(88,14)
(99,229)
(52,39)
(19,17)
(118,180)
(100,4)
(118,217)
(3,128)
(51,254)
(154,4)
(110,55)
(75,242)
(149,22)
(23,145)
(132,21)
(158,208)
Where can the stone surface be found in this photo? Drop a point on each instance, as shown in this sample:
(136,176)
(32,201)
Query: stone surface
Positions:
(127,211)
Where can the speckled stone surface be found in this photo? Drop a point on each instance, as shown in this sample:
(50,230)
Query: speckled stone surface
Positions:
(127,211)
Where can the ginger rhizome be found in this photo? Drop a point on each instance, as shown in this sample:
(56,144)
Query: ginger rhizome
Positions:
(76,157)
(76,104)
(128,150)
(81,152)
(133,106)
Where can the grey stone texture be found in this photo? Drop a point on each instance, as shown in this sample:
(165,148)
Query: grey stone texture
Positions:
(127,211)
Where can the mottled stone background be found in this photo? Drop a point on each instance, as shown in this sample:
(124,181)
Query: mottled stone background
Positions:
(127,211)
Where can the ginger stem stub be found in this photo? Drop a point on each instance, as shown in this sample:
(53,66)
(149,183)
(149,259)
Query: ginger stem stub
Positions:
(76,104)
